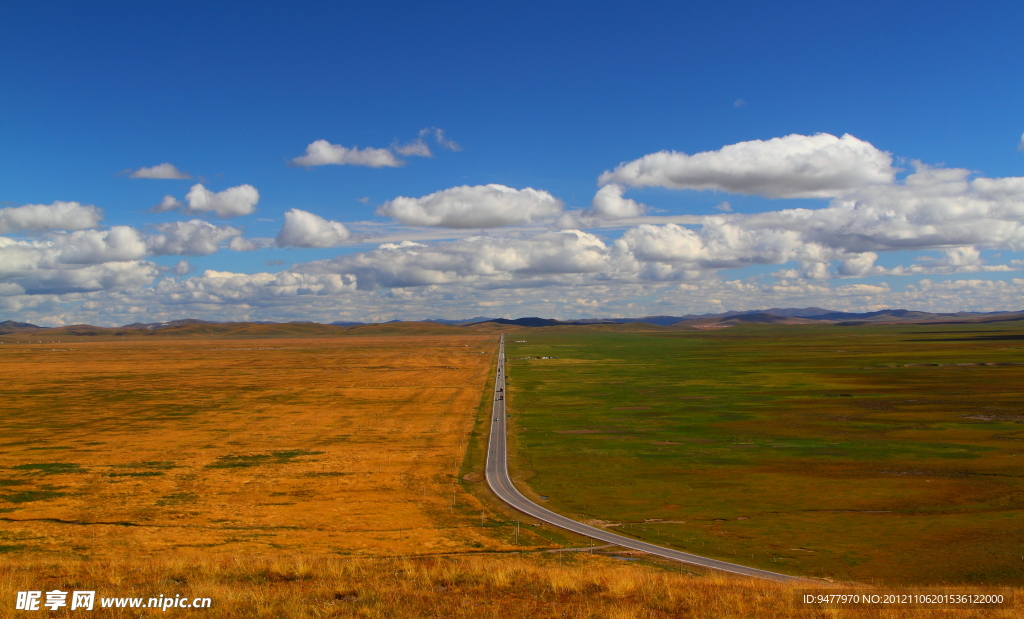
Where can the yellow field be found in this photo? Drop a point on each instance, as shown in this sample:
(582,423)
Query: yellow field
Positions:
(508,587)
(264,446)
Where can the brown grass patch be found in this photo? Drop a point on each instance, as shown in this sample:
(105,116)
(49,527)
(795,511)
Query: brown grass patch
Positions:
(574,585)
(344,445)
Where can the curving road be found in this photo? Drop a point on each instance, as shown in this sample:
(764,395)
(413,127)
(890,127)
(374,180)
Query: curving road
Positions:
(501,484)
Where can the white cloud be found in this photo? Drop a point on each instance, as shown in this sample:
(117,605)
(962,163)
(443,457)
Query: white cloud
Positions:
(322,152)
(107,276)
(608,203)
(932,208)
(473,260)
(440,138)
(794,166)
(190,238)
(118,244)
(480,206)
(76,261)
(1020,144)
(240,243)
(305,229)
(718,244)
(655,267)
(67,251)
(858,265)
(219,287)
(55,216)
(161,171)
(169,203)
(724,207)
(232,202)
(415,148)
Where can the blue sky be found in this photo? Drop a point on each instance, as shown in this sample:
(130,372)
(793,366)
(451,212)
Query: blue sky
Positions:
(539,99)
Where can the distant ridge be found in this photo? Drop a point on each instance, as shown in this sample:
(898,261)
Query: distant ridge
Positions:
(10,326)
(533,321)
(807,315)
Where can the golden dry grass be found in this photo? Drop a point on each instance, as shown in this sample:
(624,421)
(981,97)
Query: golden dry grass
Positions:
(509,587)
(268,446)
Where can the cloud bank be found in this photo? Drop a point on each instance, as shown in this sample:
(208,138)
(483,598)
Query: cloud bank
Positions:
(794,166)
(957,216)
(481,206)
(55,216)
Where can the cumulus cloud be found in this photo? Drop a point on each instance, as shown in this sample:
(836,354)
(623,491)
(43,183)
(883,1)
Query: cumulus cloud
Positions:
(794,166)
(77,261)
(480,206)
(475,259)
(55,216)
(305,229)
(859,265)
(218,287)
(112,259)
(232,202)
(190,238)
(118,244)
(932,208)
(322,152)
(161,171)
(169,203)
(608,203)
(667,268)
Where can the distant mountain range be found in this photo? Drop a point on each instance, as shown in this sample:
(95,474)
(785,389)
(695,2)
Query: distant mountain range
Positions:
(792,315)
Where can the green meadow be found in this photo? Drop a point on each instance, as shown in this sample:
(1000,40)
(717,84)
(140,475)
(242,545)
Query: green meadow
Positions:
(886,454)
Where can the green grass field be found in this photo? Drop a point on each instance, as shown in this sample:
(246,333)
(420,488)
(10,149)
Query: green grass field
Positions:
(889,454)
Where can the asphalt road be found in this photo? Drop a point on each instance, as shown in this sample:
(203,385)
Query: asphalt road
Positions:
(501,484)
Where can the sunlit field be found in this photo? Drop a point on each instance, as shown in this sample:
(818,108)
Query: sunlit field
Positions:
(265,446)
(510,587)
(870,453)
(318,476)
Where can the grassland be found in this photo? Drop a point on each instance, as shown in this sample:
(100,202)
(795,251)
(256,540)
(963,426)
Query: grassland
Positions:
(509,587)
(263,446)
(300,476)
(887,454)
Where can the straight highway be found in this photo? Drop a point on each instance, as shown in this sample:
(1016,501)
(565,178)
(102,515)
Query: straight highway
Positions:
(501,484)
